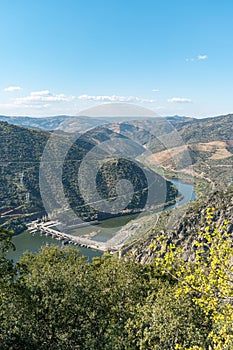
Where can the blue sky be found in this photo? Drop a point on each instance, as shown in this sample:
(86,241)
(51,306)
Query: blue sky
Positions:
(172,56)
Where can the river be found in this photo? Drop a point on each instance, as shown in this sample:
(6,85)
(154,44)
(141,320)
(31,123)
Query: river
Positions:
(32,243)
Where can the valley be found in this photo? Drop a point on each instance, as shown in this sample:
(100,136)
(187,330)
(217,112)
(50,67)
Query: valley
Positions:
(116,175)
(208,165)
(117,232)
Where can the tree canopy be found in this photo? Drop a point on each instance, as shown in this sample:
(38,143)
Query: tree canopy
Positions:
(57,300)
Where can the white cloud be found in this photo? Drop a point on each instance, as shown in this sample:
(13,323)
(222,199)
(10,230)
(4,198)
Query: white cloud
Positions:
(47,102)
(198,58)
(179,100)
(115,98)
(40,93)
(43,98)
(155,90)
(12,88)
(202,57)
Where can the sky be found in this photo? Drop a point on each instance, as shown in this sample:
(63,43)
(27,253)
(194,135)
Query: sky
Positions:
(174,57)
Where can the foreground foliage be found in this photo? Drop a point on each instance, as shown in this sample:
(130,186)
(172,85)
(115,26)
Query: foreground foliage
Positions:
(57,300)
(208,280)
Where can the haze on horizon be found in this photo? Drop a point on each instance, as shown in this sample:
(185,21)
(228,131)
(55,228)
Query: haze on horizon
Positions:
(173,57)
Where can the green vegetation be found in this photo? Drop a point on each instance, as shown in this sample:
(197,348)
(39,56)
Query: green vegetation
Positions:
(57,300)
(183,232)
(22,149)
(207,279)
(204,143)
(208,129)
(173,287)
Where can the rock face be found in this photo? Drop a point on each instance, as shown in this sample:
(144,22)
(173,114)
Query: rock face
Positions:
(185,232)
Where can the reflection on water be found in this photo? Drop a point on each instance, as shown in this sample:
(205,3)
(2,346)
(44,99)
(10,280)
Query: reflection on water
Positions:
(27,242)
(186,190)
(104,230)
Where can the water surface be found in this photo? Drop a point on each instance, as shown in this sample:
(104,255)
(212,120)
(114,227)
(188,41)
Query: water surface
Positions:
(105,229)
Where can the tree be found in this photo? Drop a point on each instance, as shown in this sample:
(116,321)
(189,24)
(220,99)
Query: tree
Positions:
(166,319)
(6,266)
(208,279)
(57,300)
(60,301)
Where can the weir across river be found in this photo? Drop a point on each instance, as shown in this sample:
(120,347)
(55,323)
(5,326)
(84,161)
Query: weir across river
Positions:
(126,233)
(47,228)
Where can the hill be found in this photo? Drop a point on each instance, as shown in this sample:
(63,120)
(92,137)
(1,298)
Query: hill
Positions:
(185,231)
(20,159)
(52,123)
(184,147)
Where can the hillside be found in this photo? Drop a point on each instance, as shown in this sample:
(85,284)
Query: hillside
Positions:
(211,161)
(184,231)
(206,142)
(209,129)
(82,123)
(52,123)
(192,130)
(184,147)
(21,152)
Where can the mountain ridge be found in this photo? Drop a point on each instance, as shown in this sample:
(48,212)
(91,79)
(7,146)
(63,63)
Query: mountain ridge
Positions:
(20,161)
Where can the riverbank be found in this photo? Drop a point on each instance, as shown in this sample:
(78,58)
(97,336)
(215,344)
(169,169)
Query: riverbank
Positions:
(108,229)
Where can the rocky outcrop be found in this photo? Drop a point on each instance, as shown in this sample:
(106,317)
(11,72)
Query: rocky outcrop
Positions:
(186,230)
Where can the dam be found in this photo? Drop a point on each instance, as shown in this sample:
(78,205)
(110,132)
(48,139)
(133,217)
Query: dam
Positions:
(47,228)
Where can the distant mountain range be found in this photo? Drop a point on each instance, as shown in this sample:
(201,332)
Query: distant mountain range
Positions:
(82,122)
(208,143)
(192,130)
(51,123)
